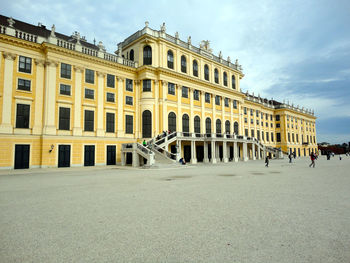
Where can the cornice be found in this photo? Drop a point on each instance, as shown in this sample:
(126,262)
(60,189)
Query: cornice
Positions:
(19,42)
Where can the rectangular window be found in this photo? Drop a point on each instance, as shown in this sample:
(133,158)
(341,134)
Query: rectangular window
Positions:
(292,137)
(89,120)
(277,117)
(171,88)
(226,102)
(267,116)
(262,116)
(245,120)
(234,104)
(110,81)
(64,119)
(297,137)
(252,133)
(262,135)
(25,64)
(146,85)
(66,71)
(129,123)
(110,122)
(278,137)
(271,124)
(271,117)
(184,92)
(246,132)
(251,121)
(89,76)
(129,100)
(196,94)
(207,97)
(278,125)
(271,136)
(22,116)
(110,97)
(89,94)
(251,112)
(257,113)
(65,89)
(258,135)
(257,122)
(217,100)
(23,84)
(129,85)
(266,124)
(245,110)
(288,137)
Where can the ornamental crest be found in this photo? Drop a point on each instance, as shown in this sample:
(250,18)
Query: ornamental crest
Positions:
(205,44)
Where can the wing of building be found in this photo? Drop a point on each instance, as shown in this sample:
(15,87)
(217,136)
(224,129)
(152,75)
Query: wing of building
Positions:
(67,102)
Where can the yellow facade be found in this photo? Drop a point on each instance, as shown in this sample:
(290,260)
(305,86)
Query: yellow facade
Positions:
(157,87)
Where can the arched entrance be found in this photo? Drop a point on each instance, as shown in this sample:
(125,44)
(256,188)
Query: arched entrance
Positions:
(172,122)
(146,124)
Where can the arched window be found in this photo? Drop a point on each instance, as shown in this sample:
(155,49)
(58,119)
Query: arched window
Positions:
(216,75)
(197,124)
(172,122)
(183,64)
(185,124)
(208,125)
(206,72)
(227,127)
(235,128)
(147,55)
(225,79)
(132,55)
(146,124)
(170,59)
(195,68)
(233,82)
(218,126)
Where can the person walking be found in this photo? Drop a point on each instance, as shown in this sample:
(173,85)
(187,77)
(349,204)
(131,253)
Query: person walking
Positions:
(312,157)
(290,157)
(267,161)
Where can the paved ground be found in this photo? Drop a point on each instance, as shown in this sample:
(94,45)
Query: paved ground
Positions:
(222,213)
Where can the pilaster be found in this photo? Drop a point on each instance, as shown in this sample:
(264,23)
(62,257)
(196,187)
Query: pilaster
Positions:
(39,94)
(137,109)
(164,106)
(100,100)
(120,129)
(77,130)
(6,124)
(193,152)
(191,90)
(156,108)
(50,97)
(179,110)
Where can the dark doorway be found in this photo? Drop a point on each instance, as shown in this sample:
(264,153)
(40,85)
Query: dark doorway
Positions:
(221,155)
(146,124)
(298,151)
(173,149)
(187,153)
(22,156)
(128,158)
(231,153)
(200,153)
(63,155)
(209,151)
(89,157)
(111,154)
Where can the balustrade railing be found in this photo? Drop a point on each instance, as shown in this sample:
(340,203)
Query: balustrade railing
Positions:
(26,36)
(65,44)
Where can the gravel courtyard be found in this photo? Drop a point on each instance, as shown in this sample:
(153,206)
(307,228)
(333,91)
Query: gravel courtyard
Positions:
(236,212)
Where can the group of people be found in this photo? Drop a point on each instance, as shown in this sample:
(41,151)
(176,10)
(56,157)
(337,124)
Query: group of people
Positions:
(313,157)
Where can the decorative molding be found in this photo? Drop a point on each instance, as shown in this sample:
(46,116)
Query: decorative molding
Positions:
(78,69)
(39,62)
(9,55)
(137,82)
(50,62)
(164,83)
(120,79)
(100,74)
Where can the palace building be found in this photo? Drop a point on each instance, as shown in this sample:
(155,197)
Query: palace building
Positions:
(66,102)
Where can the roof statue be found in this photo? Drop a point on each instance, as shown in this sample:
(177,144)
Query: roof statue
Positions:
(10,21)
(220,54)
(177,34)
(53,29)
(189,40)
(205,44)
(163,28)
(146,23)
(228,59)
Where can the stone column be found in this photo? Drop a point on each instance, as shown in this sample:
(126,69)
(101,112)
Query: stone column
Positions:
(39,94)
(50,98)
(213,152)
(193,152)
(206,159)
(240,120)
(235,152)
(137,109)
(100,100)
(179,152)
(135,157)
(156,108)
(120,86)
(231,117)
(6,124)
(179,116)
(224,151)
(245,152)
(253,151)
(77,130)
(164,105)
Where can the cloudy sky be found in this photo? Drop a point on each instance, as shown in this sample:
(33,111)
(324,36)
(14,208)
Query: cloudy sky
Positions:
(295,50)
